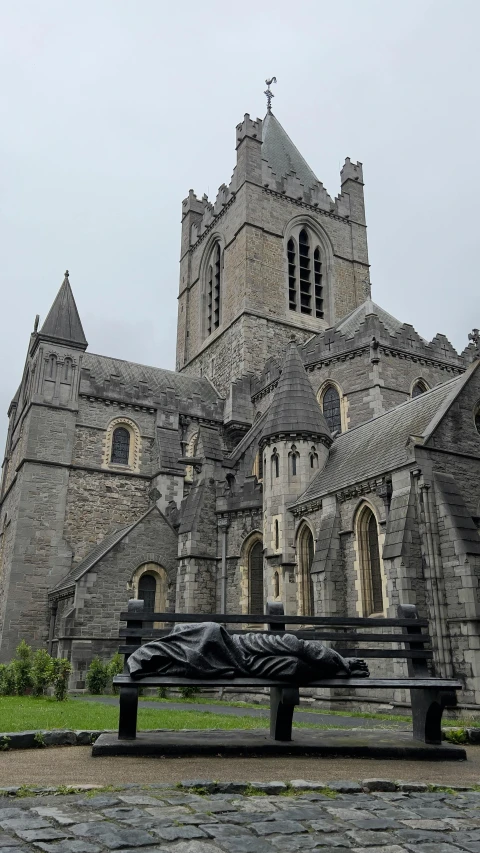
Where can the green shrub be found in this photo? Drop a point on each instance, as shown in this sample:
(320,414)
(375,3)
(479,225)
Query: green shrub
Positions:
(42,672)
(61,671)
(456,735)
(22,667)
(188,692)
(7,680)
(98,676)
(115,667)
(162,692)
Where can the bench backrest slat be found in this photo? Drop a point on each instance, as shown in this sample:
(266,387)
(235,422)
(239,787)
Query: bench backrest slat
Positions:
(347,637)
(251,619)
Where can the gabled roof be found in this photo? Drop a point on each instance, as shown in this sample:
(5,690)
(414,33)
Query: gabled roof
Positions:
(351,323)
(63,322)
(97,553)
(380,445)
(294,408)
(282,155)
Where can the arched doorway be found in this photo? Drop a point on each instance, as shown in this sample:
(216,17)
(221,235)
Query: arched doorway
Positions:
(305,552)
(255,579)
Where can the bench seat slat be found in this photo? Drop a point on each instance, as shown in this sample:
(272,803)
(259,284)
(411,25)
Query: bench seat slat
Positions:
(346,637)
(271,619)
(171,681)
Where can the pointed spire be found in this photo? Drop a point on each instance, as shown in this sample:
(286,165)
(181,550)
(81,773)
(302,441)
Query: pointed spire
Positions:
(63,322)
(282,155)
(294,408)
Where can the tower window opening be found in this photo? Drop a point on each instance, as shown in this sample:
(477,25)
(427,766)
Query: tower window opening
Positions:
(214,280)
(313,457)
(120,446)
(275,463)
(419,388)
(331,409)
(292,280)
(305,273)
(277,535)
(276,585)
(317,276)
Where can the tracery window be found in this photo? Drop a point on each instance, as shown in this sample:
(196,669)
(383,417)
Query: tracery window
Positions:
(255,578)
(305,277)
(369,552)
(331,409)
(120,446)
(419,388)
(213,289)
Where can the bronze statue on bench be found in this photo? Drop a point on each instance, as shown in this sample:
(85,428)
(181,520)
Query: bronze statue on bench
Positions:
(207,650)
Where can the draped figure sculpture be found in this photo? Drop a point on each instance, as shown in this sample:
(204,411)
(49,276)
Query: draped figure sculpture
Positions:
(207,650)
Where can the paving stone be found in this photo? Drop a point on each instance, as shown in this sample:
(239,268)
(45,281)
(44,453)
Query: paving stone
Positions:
(284,827)
(68,846)
(411,787)
(214,807)
(193,846)
(323,825)
(425,823)
(434,848)
(14,849)
(101,801)
(294,843)
(140,799)
(367,838)
(433,813)
(345,787)
(243,844)
(65,817)
(304,785)
(25,822)
(270,787)
(378,785)
(7,813)
(124,813)
(389,848)
(170,813)
(375,823)
(112,836)
(197,819)
(48,834)
(176,833)
(348,814)
(329,842)
(206,784)
(7,841)
(471,846)
(254,804)
(222,830)
(300,813)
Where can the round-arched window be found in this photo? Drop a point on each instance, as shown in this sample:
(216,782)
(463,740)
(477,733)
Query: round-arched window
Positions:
(147,589)
(120,446)
(331,409)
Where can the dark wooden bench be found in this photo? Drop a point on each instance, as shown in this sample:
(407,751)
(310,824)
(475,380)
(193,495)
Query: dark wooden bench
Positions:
(429,695)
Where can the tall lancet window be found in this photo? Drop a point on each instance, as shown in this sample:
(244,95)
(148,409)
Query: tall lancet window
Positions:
(214,286)
(331,409)
(305,283)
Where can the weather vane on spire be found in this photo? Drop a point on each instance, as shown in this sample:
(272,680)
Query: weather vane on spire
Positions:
(268,92)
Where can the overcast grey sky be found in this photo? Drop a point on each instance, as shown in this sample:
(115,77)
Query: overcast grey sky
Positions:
(111,109)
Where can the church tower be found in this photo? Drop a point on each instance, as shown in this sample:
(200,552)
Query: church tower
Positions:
(272,255)
(33,552)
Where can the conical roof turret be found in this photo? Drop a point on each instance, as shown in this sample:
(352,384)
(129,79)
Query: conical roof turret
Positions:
(294,409)
(63,323)
(282,155)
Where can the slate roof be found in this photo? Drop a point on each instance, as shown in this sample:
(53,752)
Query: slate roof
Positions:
(97,553)
(352,322)
(379,445)
(282,155)
(294,408)
(63,320)
(155,379)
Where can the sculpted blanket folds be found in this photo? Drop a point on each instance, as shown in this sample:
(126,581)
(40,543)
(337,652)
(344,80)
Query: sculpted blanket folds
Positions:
(207,650)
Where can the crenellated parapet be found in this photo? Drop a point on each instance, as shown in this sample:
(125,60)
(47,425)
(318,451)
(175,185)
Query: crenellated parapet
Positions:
(351,172)
(248,128)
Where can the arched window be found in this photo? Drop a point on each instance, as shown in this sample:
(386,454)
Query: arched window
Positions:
(275,463)
(120,446)
(305,287)
(147,591)
(213,289)
(419,388)
(67,370)
(255,578)
(276,585)
(331,409)
(305,552)
(52,367)
(369,552)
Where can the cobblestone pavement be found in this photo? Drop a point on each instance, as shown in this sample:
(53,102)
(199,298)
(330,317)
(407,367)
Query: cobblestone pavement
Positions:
(161,819)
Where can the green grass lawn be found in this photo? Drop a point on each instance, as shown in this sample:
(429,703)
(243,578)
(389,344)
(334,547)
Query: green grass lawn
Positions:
(21,713)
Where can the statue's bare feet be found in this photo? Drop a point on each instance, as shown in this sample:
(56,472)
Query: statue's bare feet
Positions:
(357,668)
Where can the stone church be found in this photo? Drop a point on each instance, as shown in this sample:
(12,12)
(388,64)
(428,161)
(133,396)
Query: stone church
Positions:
(309,447)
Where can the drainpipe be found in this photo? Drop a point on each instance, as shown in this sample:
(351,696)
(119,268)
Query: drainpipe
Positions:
(223,525)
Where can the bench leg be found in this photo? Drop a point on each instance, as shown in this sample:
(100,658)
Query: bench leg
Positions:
(127,725)
(427,709)
(282,703)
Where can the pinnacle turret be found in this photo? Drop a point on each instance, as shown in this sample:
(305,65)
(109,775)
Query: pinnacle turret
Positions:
(294,409)
(63,323)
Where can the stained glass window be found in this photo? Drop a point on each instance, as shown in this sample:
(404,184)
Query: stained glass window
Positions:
(120,446)
(331,409)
